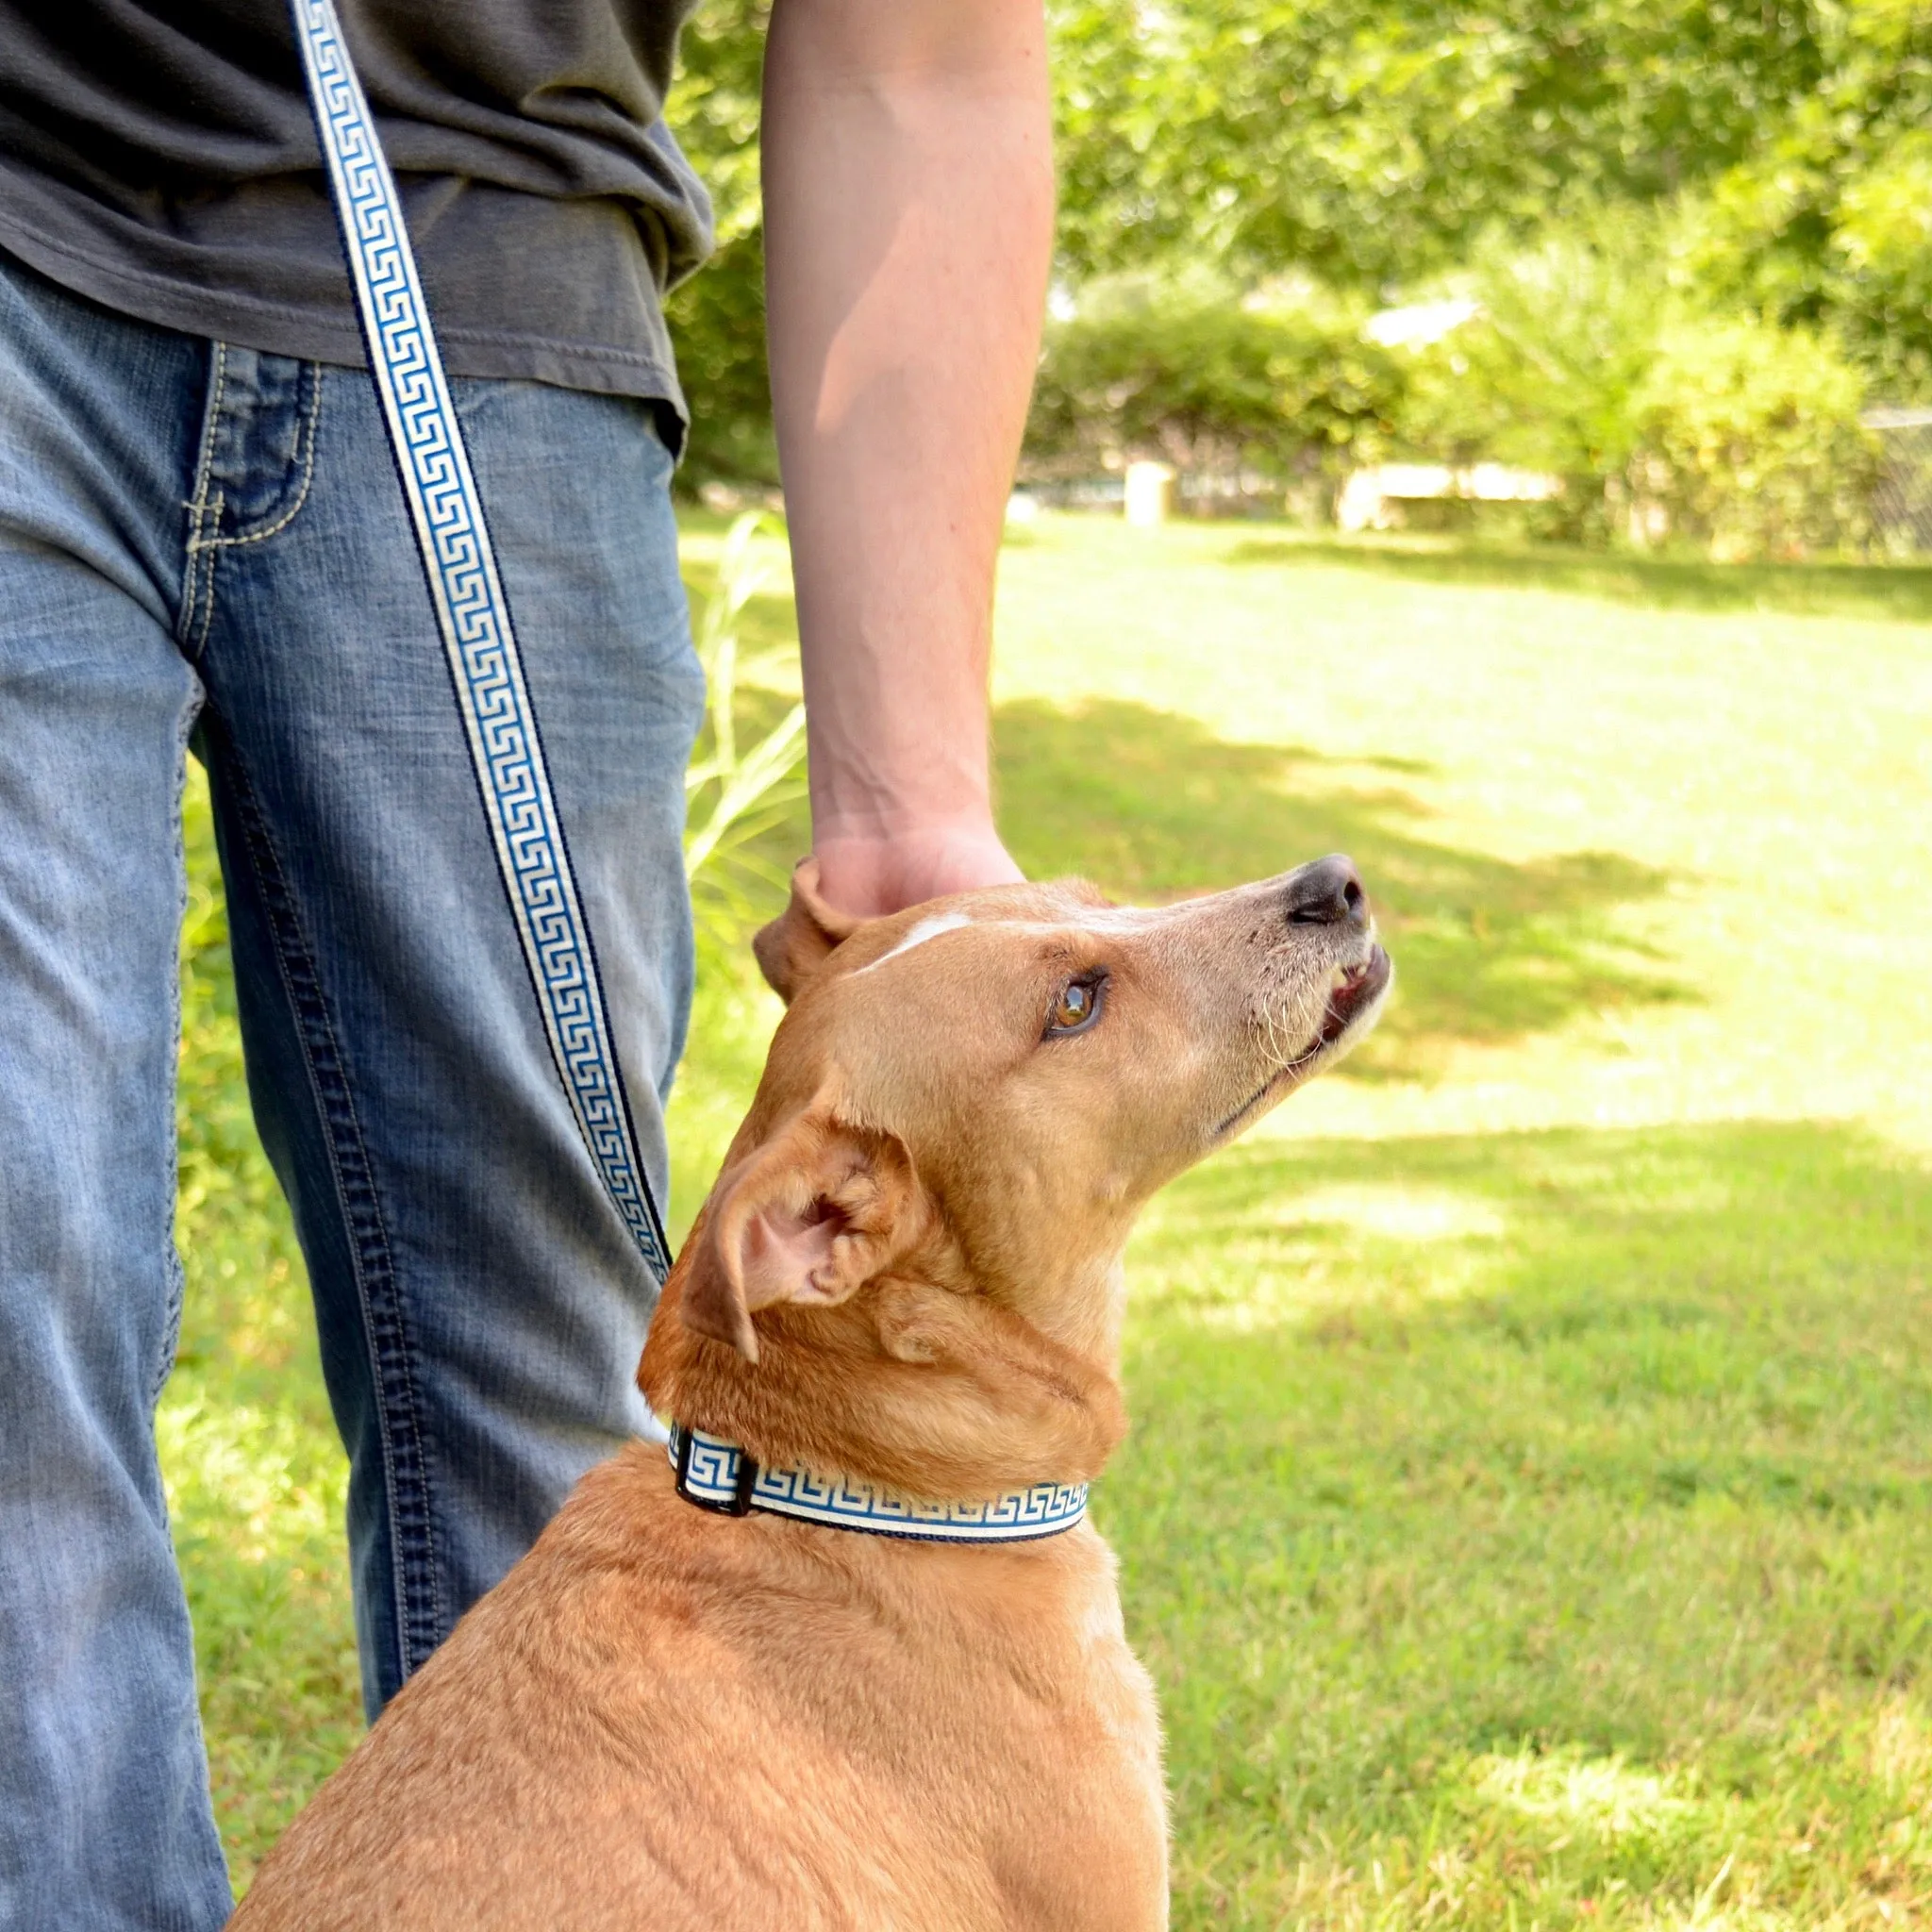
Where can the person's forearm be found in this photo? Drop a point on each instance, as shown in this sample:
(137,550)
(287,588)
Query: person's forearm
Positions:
(909,226)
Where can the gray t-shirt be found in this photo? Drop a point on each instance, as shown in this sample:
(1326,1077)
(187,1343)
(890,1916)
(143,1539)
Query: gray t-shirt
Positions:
(157,157)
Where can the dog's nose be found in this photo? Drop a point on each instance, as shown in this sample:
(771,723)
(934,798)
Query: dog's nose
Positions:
(1329,893)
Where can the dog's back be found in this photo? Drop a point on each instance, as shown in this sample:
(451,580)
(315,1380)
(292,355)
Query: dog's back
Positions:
(672,1719)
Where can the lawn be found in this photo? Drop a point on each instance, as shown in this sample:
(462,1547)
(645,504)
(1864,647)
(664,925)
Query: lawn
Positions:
(1529,1517)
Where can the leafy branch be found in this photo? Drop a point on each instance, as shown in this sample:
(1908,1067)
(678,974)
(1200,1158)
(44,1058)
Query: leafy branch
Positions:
(736,796)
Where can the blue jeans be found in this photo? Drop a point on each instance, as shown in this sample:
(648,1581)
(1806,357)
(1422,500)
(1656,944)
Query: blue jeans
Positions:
(204,544)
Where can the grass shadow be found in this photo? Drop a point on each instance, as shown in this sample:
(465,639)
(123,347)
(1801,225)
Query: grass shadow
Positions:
(1896,592)
(1456,1456)
(1152,804)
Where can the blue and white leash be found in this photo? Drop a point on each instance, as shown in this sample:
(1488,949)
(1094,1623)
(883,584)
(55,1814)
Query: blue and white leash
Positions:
(473,617)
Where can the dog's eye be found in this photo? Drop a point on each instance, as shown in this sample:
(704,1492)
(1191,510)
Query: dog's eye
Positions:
(1078,1005)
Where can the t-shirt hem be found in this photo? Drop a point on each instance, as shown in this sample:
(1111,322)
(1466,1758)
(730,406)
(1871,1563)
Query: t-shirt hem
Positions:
(250,323)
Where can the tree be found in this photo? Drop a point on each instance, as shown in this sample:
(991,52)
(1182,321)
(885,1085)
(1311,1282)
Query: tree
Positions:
(1374,143)
(1371,141)
(717,318)
(1193,375)
(1829,216)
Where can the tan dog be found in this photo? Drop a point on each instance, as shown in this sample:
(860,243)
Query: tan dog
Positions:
(909,1275)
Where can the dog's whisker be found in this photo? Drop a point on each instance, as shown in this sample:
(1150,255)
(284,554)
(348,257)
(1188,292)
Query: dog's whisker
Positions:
(1270,1027)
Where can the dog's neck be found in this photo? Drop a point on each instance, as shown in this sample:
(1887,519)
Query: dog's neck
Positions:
(929,1390)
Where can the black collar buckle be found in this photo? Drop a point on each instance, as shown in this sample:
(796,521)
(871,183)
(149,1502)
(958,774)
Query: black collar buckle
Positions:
(740,1503)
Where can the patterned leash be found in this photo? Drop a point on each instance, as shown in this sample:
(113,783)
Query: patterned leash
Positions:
(473,617)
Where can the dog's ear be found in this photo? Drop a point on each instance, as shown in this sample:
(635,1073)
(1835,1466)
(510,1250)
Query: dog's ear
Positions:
(795,945)
(810,1216)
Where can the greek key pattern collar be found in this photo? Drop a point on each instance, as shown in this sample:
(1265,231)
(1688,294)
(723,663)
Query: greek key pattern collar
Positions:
(718,1476)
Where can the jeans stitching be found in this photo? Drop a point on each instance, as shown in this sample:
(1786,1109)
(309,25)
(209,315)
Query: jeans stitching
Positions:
(209,425)
(406,1479)
(197,591)
(199,644)
(310,426)
(178,1279)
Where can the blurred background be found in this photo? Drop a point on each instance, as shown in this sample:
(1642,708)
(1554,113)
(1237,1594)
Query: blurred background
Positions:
(1663,266)
(1490,442)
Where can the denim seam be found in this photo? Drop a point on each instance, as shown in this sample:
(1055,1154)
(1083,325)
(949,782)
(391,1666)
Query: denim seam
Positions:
(198,579)
(210,425)
(411,1517)
(199,642)
(170,1252)
(311,426)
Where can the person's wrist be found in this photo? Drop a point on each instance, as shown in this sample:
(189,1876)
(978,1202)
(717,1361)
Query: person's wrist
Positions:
(877,864)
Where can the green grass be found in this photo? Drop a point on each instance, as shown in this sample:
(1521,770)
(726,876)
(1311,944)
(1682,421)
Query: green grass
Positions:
(1528,1516)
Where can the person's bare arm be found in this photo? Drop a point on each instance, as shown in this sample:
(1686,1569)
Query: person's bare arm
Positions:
(909,226)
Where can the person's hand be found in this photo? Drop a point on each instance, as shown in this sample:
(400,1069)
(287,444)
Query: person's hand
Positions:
(873,873)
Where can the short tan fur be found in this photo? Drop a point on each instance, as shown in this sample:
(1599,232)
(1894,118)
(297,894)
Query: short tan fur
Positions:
(907,1273)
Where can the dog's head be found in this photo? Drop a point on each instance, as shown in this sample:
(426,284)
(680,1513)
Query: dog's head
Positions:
(979,1093)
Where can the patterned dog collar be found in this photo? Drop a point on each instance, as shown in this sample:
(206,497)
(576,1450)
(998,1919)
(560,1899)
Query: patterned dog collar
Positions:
(717,1475)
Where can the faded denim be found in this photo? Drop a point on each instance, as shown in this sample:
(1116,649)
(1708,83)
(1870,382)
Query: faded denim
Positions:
(202,544)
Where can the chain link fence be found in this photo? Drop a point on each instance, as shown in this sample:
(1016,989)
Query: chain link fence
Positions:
(1902,504)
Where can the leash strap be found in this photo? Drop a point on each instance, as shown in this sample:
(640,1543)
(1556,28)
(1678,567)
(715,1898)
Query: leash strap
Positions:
(473,615)
(718,1476)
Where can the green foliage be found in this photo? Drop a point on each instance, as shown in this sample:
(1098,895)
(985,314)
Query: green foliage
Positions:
(1829,215)
(1590,353)
(1748,440)
(735,797)
(1190,373)
(717,318)
(1594,353)
(1786,145)
(1546,373)
(1370,142)
(718,325)
(713,108)
(1373,144)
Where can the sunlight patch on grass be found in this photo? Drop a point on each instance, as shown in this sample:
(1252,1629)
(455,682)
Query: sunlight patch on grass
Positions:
(1629,862)
(1602,1796)
(1326,1267)
(1394,1214)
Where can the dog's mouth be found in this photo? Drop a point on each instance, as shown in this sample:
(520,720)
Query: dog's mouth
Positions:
(1353,992)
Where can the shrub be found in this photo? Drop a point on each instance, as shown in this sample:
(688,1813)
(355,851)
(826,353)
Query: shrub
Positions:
(717,318)
(1543,376)
(1594,356)
(1193,376)
(718,326)
(1748,440)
